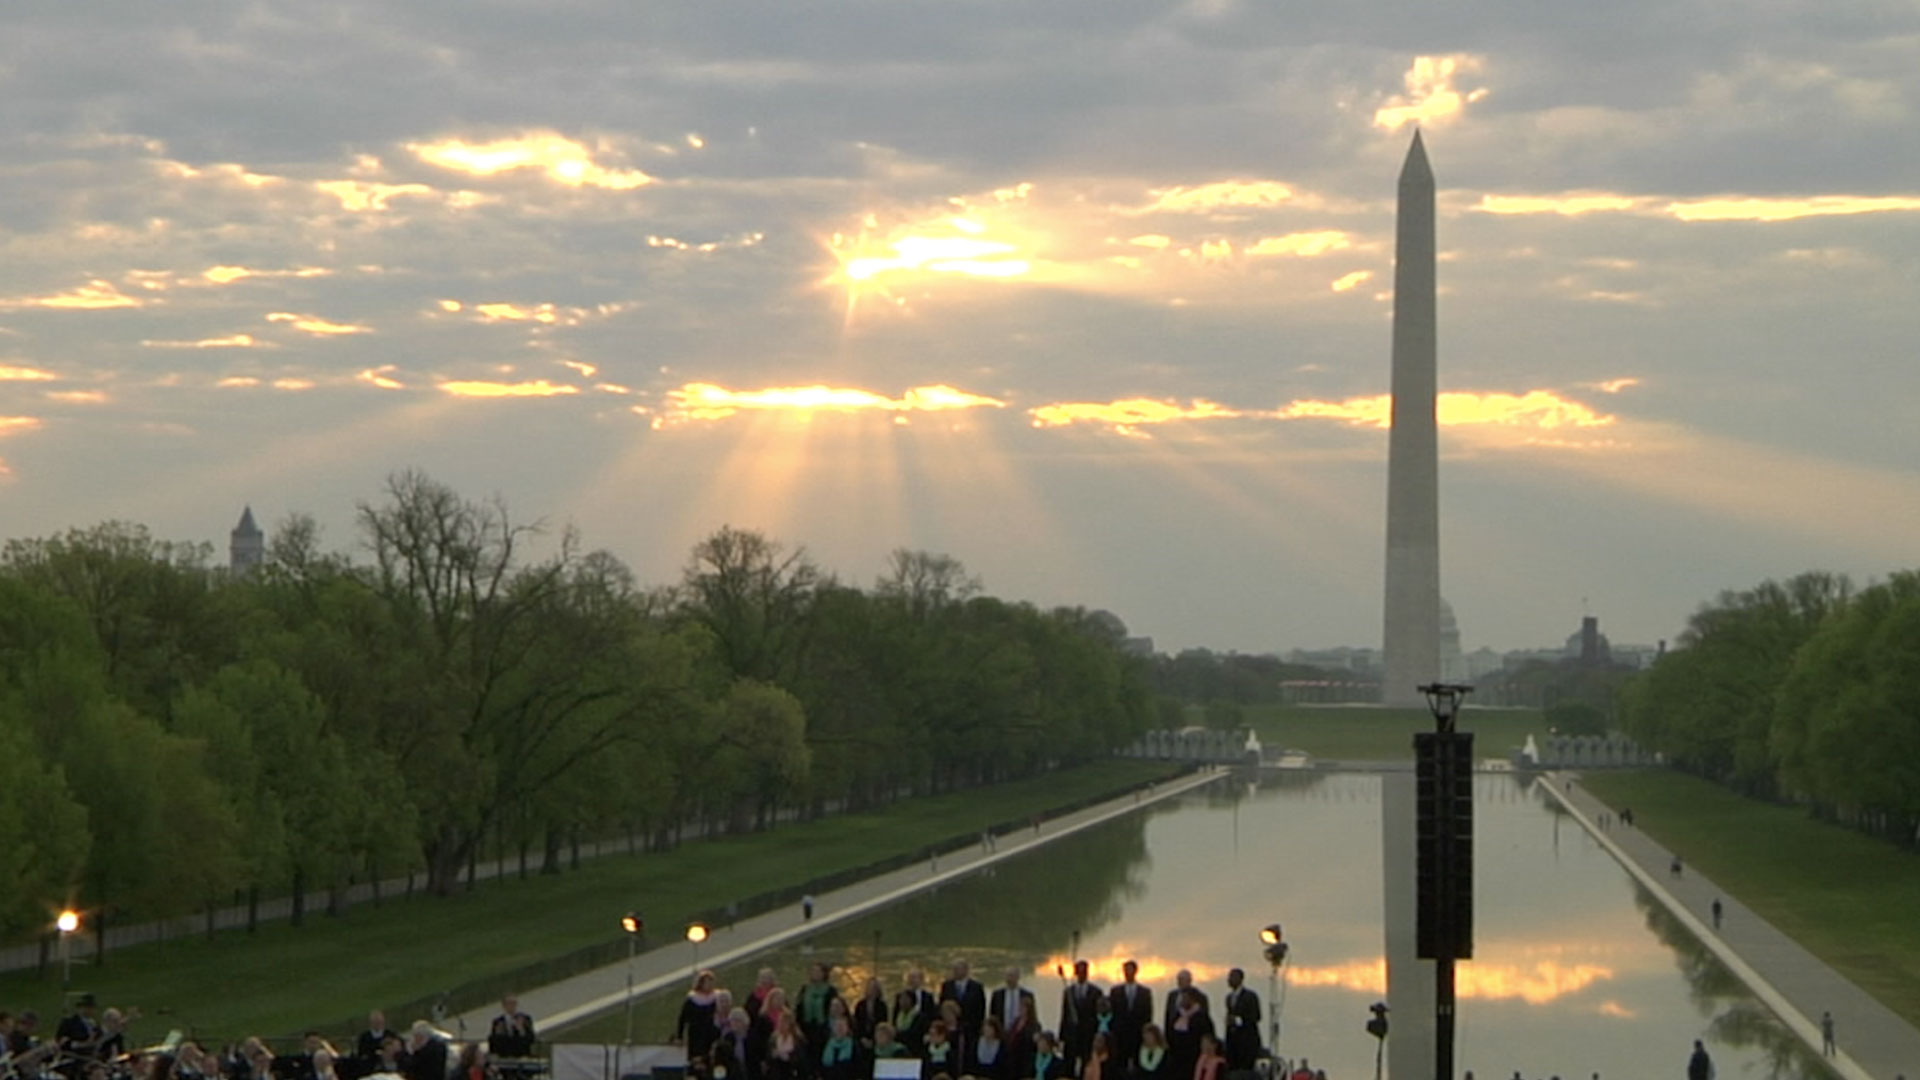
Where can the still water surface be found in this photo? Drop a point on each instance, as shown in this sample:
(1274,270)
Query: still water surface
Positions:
(1575,971)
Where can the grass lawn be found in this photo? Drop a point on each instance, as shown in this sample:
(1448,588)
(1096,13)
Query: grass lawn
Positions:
(1848,898)
(327,974)
(1364,733)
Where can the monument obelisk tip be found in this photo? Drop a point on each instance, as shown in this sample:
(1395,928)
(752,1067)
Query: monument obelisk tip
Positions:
(1416,168)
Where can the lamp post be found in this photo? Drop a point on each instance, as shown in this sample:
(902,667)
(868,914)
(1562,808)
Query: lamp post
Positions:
(67,923)
(1377,1027)
(634,926)
(1274,938)
(696,933)
(1444,852)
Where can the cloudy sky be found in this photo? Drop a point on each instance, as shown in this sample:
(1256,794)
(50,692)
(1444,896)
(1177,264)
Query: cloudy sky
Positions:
(1090,294)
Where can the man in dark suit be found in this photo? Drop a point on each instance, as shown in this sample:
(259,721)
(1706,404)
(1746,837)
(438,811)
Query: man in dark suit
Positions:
(1183,984)
(966,990)
(1079,1009)
(1132,1012)
(1006,1000)
(366,1048)
(511,1035)
(1243,1022)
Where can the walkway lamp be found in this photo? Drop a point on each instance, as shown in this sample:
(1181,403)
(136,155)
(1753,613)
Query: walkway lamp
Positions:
(634,927)
(697,933)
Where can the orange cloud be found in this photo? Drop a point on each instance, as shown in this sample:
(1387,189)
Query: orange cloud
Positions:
(1431,97)
(317,326)
(1127,416)
(1345,282)
(78,397)
(360,196)
(706,401)
(1302,243)
(503,312)
(1219,195)
(25,374)
(379,377)
(1537,409)
(227,275)
(560,159)
(95,295)
(1753,209)
(231,341)
(1571,204)
(17,425)
(484,389)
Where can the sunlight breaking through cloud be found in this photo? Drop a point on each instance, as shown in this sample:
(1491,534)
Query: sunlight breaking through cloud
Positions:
(1219,195)
(480,388)
(560,159)
(707,401)
(1571,204)
(1538,409)
(1431,97)
(1302,243)
(25,374)
(317,326)
(231,341)
(1735,208)
(96,295)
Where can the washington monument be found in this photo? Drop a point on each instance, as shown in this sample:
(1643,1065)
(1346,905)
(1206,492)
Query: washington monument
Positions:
(1412,635)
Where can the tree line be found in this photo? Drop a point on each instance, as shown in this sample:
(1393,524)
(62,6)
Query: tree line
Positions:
(1805,690)
(172,734)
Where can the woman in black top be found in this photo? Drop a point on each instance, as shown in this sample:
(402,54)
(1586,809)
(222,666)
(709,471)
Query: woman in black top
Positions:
(870,1012)
(698,1027)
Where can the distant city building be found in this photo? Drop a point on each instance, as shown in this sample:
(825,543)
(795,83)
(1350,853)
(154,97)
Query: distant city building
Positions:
(1587,644)
(1339,658)
(1482,662)
(1453,667)
(246,545)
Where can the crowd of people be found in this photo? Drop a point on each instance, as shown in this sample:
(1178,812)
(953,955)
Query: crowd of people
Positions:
(964,1029)
(90,1044)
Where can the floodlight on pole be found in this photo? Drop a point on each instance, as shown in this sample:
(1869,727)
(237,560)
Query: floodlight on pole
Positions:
(1275,940)
(634,926)
(68,922)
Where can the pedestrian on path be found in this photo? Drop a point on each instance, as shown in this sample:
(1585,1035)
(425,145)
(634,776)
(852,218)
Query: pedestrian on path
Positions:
(1826,1034)
(1717,911)
(1675,867)
(1699,1066)
(806,908)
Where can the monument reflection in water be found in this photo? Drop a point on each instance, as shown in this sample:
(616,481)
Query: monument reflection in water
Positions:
(1573,971)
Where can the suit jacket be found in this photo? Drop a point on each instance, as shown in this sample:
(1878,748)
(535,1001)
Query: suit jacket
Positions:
(511,1036)
(973,1002)
(997,1004)
(1133,1011)
(1173,1005)
(1243,1016)
(1079,1009)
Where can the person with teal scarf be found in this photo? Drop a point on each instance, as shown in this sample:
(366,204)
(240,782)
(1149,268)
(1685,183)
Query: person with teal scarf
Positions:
(815,1006)
(838,1058)
(1047,1063)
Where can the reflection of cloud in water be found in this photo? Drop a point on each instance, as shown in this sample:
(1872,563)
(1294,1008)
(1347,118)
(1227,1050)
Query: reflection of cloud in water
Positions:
(1538,982)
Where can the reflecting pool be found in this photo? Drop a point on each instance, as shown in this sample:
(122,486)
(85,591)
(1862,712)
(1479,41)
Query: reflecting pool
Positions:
(1575,971)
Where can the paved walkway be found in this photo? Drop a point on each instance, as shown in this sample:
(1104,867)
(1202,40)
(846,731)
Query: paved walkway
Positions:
(597,991)
(1795,984)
